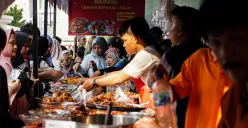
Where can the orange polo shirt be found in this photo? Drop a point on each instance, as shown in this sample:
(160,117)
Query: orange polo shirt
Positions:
(202,79)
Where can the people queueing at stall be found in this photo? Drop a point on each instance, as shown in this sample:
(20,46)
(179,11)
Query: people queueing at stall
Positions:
(207,96)
(135,34)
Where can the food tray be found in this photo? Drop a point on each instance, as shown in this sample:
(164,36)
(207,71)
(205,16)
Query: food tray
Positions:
(114,108)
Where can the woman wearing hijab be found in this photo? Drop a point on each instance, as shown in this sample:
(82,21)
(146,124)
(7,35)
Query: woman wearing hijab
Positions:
(113,62)
(99,47)
(67,64)
(42,51)
(112,57)
(4,96)
(20,62)
(47,57)
(43,64)
(89,45)
(23,43)
(8,52)
(56,54)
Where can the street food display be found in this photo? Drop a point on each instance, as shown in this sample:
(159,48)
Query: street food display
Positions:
(103,112)
(60,104)
(109,97)
(125,104)
(73,80)
(57,98)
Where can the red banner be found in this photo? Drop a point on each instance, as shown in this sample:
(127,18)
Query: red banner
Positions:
(101,17)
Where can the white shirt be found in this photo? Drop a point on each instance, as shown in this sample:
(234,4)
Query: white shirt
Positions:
(141,64)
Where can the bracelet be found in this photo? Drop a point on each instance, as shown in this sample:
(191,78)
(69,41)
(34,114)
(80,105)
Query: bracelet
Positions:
(94,83)
(102,72)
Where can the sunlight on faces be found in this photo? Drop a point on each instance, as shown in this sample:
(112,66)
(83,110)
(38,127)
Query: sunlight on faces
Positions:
(130,42)
(12,45)
(175,31)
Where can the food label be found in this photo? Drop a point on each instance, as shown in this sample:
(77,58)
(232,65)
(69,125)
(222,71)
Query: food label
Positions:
(161,99)
(60,124)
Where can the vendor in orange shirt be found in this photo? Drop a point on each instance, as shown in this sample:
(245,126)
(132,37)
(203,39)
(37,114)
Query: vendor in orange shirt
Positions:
(203,80)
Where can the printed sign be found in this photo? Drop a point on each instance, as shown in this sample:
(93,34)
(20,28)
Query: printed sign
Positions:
(101,17)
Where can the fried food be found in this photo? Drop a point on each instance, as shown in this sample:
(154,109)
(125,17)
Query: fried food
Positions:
(103,112)
(104,99)
(73,80)
(58,97)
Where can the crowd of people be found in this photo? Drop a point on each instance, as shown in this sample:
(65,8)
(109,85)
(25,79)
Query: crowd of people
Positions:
(204,62)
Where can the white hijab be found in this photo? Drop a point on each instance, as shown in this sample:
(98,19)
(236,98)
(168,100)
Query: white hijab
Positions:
(56,54)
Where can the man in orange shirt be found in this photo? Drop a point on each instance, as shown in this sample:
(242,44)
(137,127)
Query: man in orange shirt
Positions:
(202,79)
(226,30)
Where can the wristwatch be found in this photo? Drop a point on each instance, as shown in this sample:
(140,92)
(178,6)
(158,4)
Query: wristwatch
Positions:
(94,83)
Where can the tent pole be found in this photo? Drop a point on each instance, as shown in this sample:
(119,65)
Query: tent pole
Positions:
(54,17)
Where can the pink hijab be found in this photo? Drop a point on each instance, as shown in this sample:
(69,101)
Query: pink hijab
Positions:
(5,56)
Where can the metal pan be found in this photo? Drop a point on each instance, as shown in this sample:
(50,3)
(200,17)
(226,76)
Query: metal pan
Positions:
(97,121)
(114,108)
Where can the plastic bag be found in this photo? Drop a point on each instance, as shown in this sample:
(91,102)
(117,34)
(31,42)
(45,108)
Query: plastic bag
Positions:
(80,96)
(121,97)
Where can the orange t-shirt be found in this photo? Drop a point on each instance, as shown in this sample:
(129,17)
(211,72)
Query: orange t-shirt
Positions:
(202,79)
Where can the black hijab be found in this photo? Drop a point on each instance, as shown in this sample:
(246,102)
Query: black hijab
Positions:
(42,46)
(21,40)
(4,95)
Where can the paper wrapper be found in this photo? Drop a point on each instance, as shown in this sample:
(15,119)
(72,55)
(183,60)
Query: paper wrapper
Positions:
(13,76)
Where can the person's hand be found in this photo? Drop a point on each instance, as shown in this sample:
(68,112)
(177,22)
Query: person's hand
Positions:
(146,122)
(78,59)
(88,84)
(76,67)
(81,81)
(13,87)
(56,74)
(96,73)
(98,90)
(33,79)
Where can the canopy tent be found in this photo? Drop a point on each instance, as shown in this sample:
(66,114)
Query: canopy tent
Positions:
(62,4)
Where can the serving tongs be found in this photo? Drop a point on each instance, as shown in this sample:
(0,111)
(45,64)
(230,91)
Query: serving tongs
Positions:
(108,117)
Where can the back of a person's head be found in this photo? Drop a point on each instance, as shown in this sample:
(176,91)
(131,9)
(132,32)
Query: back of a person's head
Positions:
(121,49)
(113,41)
(91,39)
(28,29)
(82,38)
(157,31)
(189,19)
(3,39)
(50,40)
(167,42)
(42,45)
(58,39)
(137,26)
(217,15)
